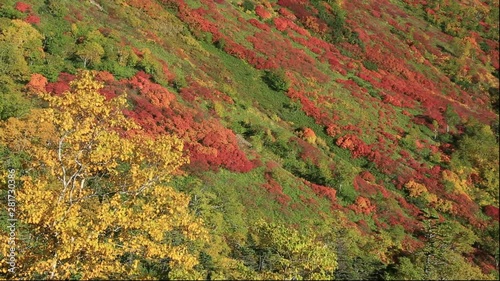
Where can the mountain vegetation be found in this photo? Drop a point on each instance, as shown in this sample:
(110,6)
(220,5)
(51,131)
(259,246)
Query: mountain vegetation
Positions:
(252,140)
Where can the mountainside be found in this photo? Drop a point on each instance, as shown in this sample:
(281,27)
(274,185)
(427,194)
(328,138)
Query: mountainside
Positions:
(289,139)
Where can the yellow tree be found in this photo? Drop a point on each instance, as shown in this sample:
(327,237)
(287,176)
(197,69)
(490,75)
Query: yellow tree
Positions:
(285,253)
(92,192)
(20,46)
(415,189)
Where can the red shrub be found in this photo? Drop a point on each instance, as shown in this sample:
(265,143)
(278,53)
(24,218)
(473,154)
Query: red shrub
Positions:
(32,19)
(105,77)
(308,133)
(262,12)
(363,206)
(37,83)
(287,14)
(357,147)
(308,106)
(367,176)
(314,24)
(299,30)
(411,244)
(194,18)
(259,25)
(110,89)
(156,94)
(492,212)
(195,92)
(281,23)
(219,147)
(405,154)
(463,206)
(62,84)
(235,49)
(316,51)
(333,130)
(299,9)
(328,192)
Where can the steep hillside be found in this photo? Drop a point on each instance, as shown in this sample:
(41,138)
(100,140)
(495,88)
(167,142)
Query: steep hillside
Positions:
(289,139)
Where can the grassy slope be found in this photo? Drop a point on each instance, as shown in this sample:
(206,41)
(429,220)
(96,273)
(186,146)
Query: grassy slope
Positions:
(269,119)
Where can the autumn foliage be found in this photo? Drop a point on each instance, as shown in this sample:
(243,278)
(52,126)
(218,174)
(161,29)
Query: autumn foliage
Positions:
(376,120)
(208,143)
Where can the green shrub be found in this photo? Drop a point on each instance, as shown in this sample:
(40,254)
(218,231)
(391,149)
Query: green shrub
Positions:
(484,46)
(179,83)
(12,103)
(55,8)
(11,13)
(219,44)
(119,71)
(370,65)
(347,193)
(207,37)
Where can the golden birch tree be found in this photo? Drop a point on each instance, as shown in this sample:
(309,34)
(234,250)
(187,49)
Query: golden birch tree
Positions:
(93,194)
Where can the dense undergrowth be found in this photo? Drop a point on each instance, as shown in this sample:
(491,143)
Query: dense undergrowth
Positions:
(260,139)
